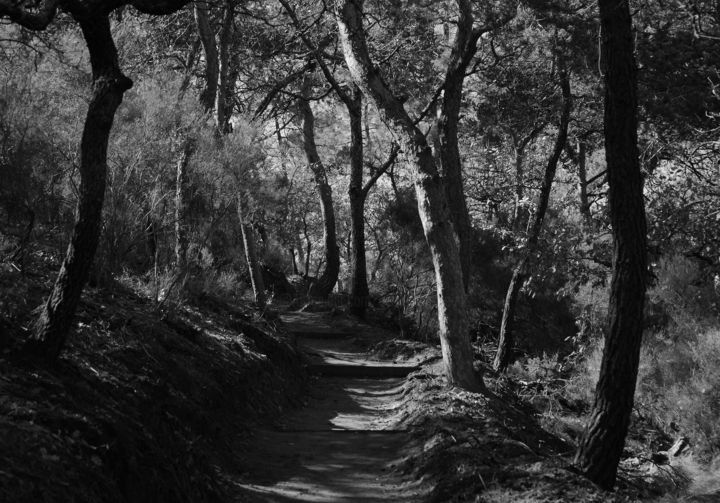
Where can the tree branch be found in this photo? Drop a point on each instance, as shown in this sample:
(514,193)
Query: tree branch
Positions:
(378,172)
(317,54)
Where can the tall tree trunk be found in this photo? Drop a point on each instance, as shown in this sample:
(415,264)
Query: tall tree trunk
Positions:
(359,291)
(207,38)
(109,84)
(579,158)
(224,37)
(463,49)
(291,251)
(583,184)
(506,341)
(308,246)
(520,212)
(182,184)
(326,282)
(432,202)
(602,442)
(256,279)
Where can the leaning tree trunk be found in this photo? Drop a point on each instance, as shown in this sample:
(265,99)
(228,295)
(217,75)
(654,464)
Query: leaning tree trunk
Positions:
(256,279)
(506,341)
(109,84)
(602,442)
(207,38)
(432,202)
(359,291)
(326,282)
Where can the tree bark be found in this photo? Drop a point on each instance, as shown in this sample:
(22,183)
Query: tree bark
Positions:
(504,355)
(432,202)
(602,442)
(359,291)
(222,113)
(519,212)
(579,157)
(182,183)
(256,279)
(463,49)
(109,84)
(583,184)
(291,251)
(324,285)
(207,38)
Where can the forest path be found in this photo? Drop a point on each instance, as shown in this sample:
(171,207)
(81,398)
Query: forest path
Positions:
(342,445)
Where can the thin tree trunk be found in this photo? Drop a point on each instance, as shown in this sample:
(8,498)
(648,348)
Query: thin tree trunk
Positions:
(308,248)
(326,282)
(224,38)
(359,291)
(432,202)
(519,212)
(291,250)
(256,279)
(109,84)
(506,341)
(602,442)
(583,185)
(579,157)
(182,183)
(207,38)
(463,49)
(300,254)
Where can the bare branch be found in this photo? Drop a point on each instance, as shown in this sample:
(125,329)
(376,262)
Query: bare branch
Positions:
(378,172)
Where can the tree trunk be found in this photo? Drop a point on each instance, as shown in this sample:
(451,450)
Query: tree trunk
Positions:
(308,247)
(463,50)
(256,278)
(359,291)
(181,206)
(207,38)
(291,250)
(326,282)
(222,115)
(506,341)
(602,442)
(432,203)
(583,184)
(520,212)
(109,84)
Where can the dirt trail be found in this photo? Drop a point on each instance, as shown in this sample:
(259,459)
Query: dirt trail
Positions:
(342,445)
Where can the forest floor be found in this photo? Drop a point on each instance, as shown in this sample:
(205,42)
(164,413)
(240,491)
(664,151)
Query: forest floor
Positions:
(210,402)
(341,445)
(379,424)
(141,404)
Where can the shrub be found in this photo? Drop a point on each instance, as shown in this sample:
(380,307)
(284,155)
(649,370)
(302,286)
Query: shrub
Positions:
(678,385)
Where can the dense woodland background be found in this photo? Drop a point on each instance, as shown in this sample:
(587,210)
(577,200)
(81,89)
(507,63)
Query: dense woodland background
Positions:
(232,173)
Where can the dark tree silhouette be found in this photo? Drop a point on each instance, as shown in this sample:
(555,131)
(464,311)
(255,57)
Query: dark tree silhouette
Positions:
(108,86)
(324,285)
(505,344)
(603,439)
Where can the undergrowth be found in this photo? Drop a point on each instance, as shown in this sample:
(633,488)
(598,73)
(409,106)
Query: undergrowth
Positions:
(145,404)
(678,386)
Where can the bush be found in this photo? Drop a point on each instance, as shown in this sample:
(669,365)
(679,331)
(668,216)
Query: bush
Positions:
(678,387)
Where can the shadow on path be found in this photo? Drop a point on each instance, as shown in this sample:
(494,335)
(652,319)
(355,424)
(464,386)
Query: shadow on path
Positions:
(341,446)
